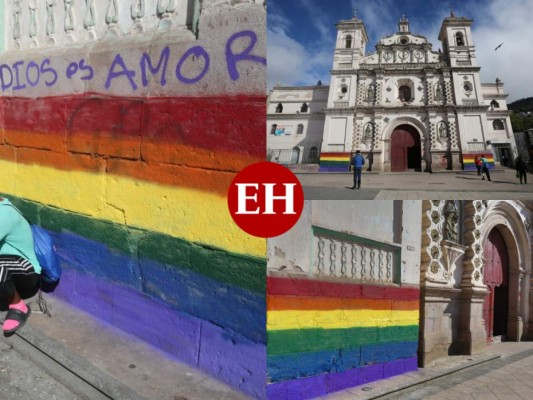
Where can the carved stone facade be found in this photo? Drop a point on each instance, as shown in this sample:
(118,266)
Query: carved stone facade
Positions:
(409,93)
(367,249)
(454,288)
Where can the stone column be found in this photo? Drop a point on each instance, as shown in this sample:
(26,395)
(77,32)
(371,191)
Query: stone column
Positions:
(472,335)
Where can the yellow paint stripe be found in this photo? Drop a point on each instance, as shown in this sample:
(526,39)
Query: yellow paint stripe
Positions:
(185,213)
(339,319)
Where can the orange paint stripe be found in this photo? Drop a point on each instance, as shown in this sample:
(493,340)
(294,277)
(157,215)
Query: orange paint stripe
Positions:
(279,303)
(131,148)
(190,174)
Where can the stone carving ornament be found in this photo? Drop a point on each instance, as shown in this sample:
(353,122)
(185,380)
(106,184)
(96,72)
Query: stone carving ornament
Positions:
(17,9)
(451,218)
(137,13)
(438,91)
(51,17)
(89,21)
(371,92)
(69,16)
(443,130)
(111,17)
(33,18)
(369,132)
(165,9)
(528,223)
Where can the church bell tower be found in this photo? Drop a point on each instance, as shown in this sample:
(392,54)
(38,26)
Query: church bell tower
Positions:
(457,42)
(351,44)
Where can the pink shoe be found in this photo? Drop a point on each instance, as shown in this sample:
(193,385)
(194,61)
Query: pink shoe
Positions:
(15,319)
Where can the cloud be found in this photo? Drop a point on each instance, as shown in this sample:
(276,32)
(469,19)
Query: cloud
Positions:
(318,18)
(507,21)
(290,63)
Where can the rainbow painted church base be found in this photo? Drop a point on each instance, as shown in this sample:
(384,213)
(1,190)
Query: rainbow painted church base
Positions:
(327,336)
(335,162)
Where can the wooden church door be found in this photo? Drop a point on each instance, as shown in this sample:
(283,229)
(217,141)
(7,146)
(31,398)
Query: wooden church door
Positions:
(496,277)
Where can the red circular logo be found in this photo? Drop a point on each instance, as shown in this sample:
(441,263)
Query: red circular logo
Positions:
(265,199)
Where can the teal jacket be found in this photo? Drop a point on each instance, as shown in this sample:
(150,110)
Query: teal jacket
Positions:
(16,238)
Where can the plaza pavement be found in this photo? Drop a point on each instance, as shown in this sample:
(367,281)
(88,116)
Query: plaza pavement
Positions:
(502,371)
(459,185)
(73,356)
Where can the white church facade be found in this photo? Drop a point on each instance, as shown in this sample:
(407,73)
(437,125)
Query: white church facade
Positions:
(404,106)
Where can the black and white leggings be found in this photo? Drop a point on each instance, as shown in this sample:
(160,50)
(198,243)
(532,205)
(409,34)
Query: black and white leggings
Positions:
(17,274)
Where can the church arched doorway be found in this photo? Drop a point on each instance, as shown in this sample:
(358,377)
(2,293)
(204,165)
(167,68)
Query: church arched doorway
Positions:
(406,151)
(496,277)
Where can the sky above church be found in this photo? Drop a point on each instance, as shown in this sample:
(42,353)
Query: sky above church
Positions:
(301,35)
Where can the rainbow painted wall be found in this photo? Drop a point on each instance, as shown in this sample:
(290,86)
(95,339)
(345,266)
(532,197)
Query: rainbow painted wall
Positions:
(327,336)
(127,163)
(469,164)
(334,162)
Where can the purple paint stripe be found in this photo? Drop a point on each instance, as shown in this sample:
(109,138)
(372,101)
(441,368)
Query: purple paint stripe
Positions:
(223,354)
(343,168)
(321,385)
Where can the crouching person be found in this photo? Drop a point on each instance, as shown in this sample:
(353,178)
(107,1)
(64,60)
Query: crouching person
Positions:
(19,268)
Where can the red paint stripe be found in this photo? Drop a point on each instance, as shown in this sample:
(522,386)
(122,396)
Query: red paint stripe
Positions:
(233,124)
(313,288)
(335,303)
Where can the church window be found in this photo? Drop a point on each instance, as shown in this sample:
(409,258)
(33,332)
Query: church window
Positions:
(459,39)
(467,87)
(304,108)
(313,154)
(273,129)
(404,40)
(497,124)
(405,93)
(344,89)
(349,42)
(494,104)
(300,129)
(279,108)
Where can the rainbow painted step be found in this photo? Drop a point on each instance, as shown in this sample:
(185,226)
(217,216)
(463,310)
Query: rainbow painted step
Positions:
(469,164)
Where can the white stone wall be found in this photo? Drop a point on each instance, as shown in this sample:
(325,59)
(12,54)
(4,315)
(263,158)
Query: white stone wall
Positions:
(393,224)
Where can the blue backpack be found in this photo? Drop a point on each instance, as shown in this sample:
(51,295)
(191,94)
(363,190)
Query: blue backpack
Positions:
(47,257)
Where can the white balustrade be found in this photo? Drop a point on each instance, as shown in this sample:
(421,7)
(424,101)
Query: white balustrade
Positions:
(45,23)
(340,255)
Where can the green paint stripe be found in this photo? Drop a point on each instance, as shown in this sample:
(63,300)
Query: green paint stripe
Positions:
(246,272)
(304,340)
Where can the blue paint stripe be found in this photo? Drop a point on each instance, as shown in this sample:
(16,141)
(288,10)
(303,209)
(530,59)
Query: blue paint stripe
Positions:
(292,366)
(226,305)
(320,385)
(334,168)
(226,355)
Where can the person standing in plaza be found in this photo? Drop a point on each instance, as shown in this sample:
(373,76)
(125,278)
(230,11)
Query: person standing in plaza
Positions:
(485,168)
(477,161)
(521,169)
(358,162)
